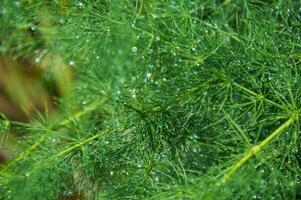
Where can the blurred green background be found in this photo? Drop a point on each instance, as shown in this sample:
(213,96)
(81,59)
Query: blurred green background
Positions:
(25,90)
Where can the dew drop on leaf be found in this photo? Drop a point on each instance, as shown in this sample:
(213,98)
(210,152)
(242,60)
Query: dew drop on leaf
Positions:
(134,49)
(37,59)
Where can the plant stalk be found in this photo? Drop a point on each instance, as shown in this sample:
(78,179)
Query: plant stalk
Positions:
(257,148)
(258,96)
(65,122)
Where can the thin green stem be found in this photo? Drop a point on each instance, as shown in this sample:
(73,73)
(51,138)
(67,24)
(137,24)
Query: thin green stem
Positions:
(259,96)
(26,152)
(182,94)
(88,109)
(257,148)
(64,152)
(70,149)
(65,122)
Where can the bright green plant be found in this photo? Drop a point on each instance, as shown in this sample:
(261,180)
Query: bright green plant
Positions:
(173,99)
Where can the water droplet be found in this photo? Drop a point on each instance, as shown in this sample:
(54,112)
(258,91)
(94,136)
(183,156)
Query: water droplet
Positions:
(148,76)
(134,49)
(53,140)
(80,5)
(37,59)
(67,193)
(125,172)
(61,21)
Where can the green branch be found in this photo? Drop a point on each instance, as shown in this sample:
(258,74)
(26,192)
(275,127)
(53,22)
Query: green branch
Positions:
(258,148)
(65,122)
(259,96)
(80,144)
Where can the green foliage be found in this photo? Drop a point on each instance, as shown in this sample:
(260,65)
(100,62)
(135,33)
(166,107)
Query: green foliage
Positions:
(174,99)
(4,128)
